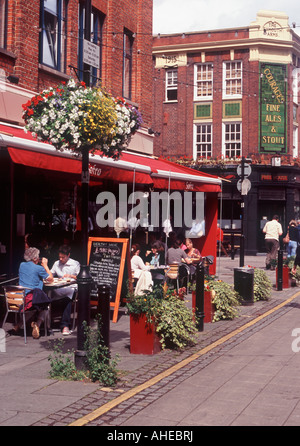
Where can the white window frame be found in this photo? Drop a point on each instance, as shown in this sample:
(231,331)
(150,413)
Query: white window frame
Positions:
(232,76)
(235,141)
(206,142)
(201,72)
(171,84)
(295,141)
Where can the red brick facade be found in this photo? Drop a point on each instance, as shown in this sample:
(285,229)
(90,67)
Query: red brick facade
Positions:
(21,55)
(175,120)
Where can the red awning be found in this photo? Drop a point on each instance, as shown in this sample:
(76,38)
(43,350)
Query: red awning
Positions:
(142,169)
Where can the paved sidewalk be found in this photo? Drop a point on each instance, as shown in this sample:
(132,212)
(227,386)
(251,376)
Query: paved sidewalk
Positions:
(28,397)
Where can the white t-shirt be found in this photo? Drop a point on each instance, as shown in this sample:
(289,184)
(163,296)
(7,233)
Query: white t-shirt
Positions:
(273,230)
(59,270)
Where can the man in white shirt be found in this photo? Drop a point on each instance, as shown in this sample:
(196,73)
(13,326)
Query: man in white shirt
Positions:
(66,268)
(272,231)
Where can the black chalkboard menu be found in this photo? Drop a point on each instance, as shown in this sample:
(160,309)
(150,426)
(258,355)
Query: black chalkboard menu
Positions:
(109,265)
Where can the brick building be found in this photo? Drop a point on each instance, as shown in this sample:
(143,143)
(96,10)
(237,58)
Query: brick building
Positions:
(44,43)
(221,95)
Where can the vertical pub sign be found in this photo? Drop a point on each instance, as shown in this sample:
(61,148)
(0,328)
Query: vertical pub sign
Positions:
(273,108)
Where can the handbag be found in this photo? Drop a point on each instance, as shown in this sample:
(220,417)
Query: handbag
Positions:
(286,239)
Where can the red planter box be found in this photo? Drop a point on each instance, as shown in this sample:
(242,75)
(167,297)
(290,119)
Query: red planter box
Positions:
(143,338)
(208,306)
(286,283)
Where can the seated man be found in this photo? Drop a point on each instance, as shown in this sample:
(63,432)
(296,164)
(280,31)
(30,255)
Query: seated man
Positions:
(65,267)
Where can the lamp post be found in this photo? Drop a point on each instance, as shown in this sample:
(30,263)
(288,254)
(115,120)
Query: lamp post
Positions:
(84,278)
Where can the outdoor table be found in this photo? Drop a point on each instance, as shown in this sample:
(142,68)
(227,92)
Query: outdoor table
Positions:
(56,284)
(159,272)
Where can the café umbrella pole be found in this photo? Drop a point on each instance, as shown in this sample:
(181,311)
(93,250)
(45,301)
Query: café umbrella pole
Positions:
(168,217)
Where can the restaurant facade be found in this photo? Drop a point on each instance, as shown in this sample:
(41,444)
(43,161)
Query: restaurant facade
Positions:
(227,95)
(40,186)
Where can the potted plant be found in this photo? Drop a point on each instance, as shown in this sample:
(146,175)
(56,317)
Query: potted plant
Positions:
(159,318)
(262,285)
(225,300)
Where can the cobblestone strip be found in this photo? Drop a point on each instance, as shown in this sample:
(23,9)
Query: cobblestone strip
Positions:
(162,362)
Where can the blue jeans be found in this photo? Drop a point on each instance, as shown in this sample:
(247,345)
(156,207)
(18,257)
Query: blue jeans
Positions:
(291,248)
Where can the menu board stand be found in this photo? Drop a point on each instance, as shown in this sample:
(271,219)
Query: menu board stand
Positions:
(109,263)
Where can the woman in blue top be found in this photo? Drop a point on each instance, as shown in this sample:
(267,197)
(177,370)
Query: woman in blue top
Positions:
(31,276)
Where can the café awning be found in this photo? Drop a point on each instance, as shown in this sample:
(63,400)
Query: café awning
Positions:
(143,169)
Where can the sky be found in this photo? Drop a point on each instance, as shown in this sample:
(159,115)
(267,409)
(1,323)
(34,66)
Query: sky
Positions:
(173,16)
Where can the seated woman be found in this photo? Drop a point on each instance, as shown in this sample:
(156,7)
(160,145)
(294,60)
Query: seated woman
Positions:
(31,276)
(137,264)
(156,256)
(193,254)
(177,255)
(140,271)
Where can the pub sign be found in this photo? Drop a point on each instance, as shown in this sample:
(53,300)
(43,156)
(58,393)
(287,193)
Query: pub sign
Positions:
(273,108)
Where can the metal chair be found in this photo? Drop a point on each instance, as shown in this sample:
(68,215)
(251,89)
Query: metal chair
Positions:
(14,298)
(173,274)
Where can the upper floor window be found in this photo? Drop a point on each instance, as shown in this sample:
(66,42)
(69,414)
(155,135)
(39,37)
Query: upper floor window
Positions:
(53,33)
(171,85)
(232,79)
(3,23)
(127,63)
(203,141)
(233,140)
(97,21)
(203,81)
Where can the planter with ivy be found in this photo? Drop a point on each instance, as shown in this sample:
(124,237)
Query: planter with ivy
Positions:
(159,315)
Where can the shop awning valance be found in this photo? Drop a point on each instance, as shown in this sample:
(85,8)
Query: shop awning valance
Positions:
(143,169)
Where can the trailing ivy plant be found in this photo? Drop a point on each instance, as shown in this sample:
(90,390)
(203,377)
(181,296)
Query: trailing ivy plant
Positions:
(225,299)
(262,287)
(175,325)
(174,321)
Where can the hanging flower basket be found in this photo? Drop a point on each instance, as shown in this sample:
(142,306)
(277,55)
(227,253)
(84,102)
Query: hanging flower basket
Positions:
(72,115)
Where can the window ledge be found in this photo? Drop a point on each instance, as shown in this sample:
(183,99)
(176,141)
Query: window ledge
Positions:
(170,102)
(54,72)
(7,53)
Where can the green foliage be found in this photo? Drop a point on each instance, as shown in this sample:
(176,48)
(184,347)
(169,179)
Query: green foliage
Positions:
(62,364)
(175,325)
(262,285)
(148,303)
(225,299)
(99,367)
(166,308)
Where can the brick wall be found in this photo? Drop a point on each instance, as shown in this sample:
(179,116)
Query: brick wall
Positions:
(21,56)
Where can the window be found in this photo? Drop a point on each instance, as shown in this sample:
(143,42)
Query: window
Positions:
(97,21)
(203,141)
(233,140)
(3,23)
(53,34)
(171,85)
(127,63)
(203,81)
(295,141)
(232,85)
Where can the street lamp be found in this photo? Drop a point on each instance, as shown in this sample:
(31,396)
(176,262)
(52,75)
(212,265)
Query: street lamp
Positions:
(84,278)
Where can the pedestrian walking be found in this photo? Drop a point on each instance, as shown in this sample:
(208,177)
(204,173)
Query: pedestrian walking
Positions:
(272,231)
